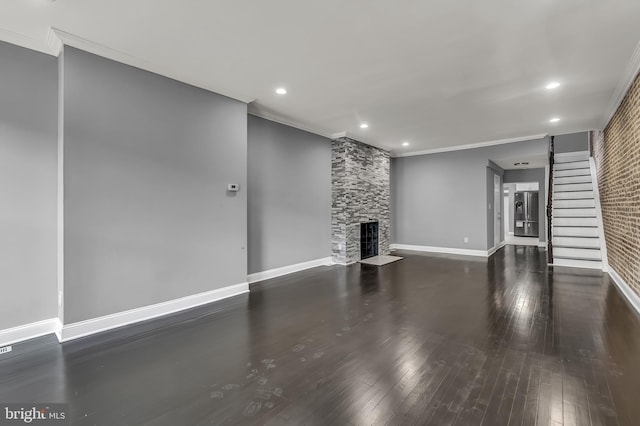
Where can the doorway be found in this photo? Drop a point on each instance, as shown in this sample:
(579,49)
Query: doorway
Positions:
(514,223)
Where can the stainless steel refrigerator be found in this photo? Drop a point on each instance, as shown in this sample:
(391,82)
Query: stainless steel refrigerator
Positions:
(526,214)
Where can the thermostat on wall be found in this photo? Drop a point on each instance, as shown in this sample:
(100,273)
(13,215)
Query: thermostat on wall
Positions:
(233,187)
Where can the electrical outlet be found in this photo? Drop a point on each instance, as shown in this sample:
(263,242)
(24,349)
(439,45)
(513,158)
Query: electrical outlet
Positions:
(466,239)
(5,350)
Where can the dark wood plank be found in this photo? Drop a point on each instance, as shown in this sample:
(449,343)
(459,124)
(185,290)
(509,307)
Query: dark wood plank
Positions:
(432,339)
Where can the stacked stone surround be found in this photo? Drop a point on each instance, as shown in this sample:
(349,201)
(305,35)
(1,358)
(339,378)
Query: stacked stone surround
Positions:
(360,192)
(616,152)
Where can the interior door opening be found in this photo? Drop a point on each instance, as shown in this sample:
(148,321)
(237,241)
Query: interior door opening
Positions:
(523,224)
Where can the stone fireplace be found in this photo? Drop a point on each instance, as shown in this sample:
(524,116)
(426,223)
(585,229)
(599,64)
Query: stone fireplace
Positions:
(360,194)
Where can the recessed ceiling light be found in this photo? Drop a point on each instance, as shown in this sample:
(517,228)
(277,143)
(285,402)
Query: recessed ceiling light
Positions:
(364,125)
(281,91)
(554,120)
(552,85)
(405,143)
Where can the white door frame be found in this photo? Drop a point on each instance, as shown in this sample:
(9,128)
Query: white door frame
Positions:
(497,210)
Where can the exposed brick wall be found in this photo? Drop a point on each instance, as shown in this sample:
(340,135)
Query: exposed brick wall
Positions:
(617,155)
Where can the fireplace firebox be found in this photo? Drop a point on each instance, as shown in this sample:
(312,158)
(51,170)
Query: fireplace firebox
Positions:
(368,239)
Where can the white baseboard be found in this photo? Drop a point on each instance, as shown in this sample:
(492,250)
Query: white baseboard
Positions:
(108,322)
(277,272)
(28,331)
(496,248)
(447,250)
(625,289)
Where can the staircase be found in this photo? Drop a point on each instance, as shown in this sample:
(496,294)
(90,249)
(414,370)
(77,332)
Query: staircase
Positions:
(576,240)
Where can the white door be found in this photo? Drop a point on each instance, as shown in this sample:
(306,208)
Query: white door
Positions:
(497,211)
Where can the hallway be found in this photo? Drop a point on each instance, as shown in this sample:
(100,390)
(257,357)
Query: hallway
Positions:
(431,339)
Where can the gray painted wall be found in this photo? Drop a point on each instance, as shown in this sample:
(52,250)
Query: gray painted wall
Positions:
(571,142)
(441,198)
(289,195)
(532,175)
(28,172)
(146,163)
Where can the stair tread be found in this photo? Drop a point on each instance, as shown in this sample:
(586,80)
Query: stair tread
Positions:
(572,263)
(570,165)
(581,155)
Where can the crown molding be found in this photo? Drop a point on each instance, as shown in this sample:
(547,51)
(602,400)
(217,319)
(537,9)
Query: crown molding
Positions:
(286,121)
(57,38)
(471,145)
(54,42)
(24,41)
(628,77)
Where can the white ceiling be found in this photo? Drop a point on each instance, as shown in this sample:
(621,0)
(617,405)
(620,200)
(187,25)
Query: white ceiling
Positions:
(533,162)
(437,73)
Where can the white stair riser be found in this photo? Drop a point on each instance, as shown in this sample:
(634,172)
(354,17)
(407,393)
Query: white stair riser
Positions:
(572,195)
(576,253)
(574,212)
(573,187)
(575,234)
(574,231)
(574,221)
(571,165)
(571,172)
(569,157)
(573,263)
(576,242)
(573,204)
(571,179)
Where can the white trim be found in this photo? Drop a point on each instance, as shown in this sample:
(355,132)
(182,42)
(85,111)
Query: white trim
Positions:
(447,250)
(472,145)
(73,40)
(596,197)
(495,249)
(253,110)
(60,196)
(24,41)
(108,322)
(542,245)
(28,331)
(625,289)
(628,77)
(289,269)
(53,42)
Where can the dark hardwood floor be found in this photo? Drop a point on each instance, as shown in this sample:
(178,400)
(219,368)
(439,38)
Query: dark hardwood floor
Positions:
(426,340)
